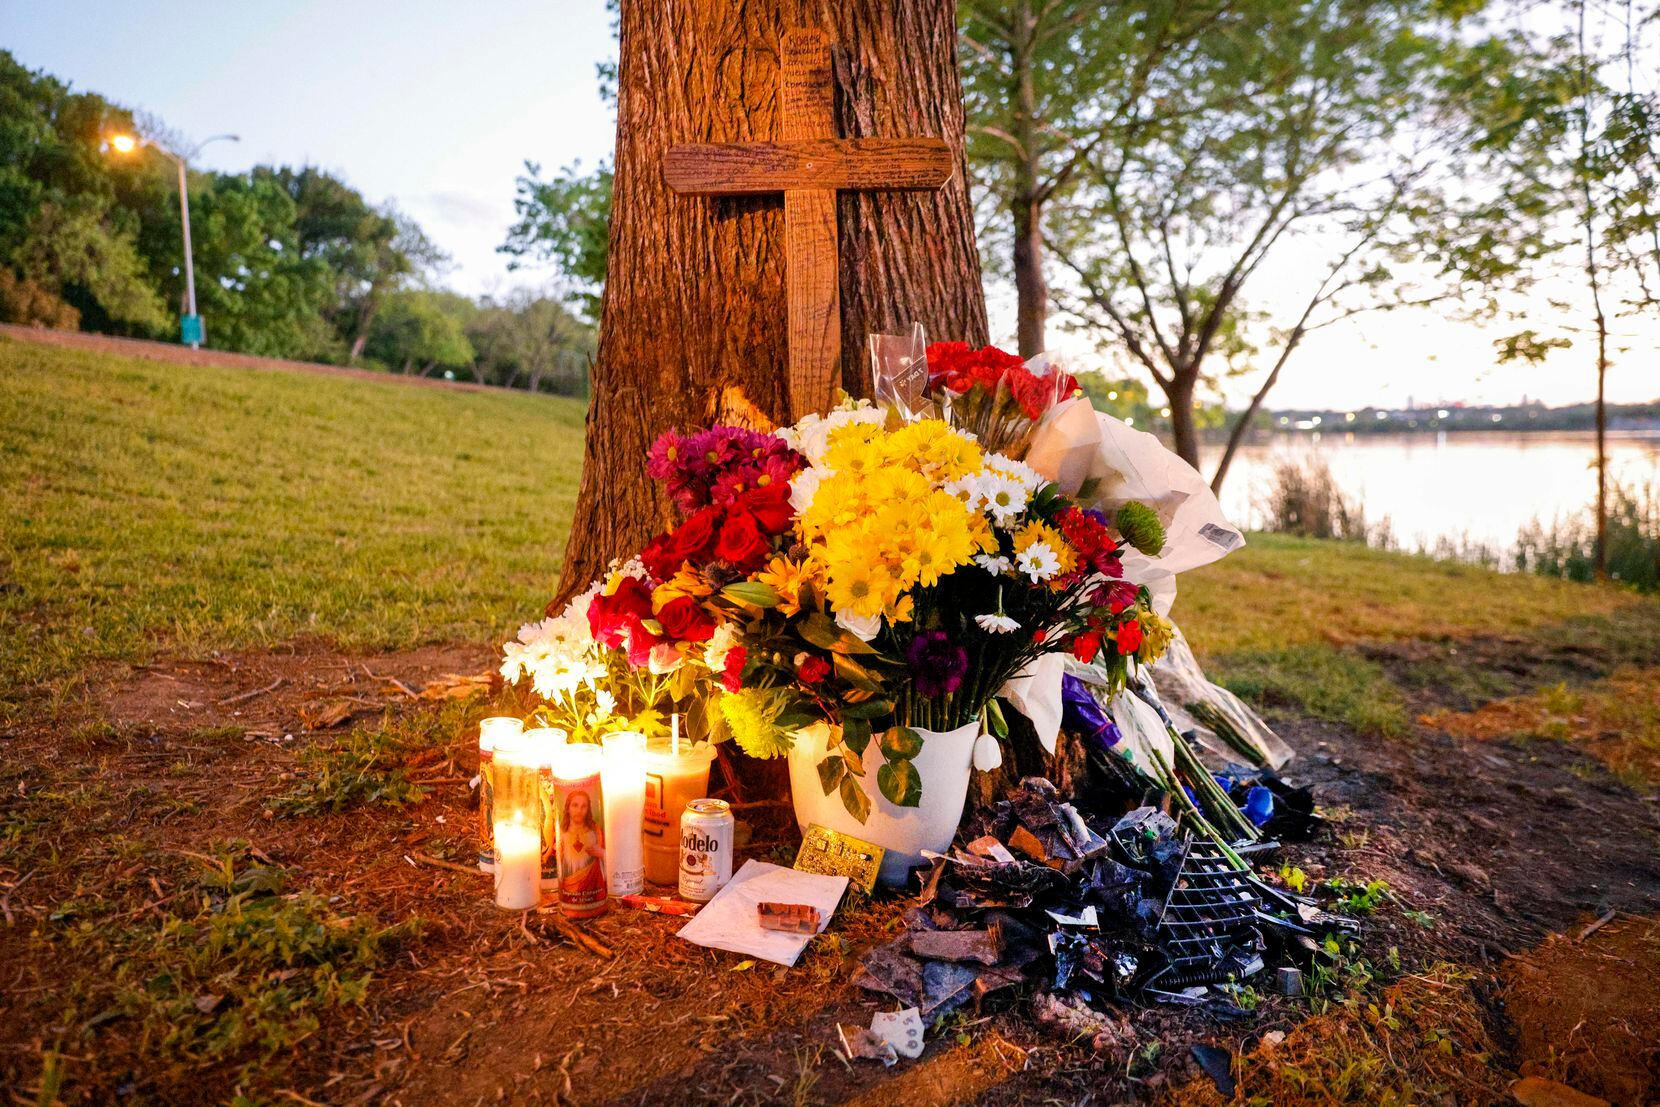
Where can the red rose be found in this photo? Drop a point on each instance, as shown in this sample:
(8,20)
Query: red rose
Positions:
(770,505)
(693,540)
(684,619)
(741,542)
(732,670)
(660,558)
(610,617)
(1086,645)
(1129,637)
(813,670)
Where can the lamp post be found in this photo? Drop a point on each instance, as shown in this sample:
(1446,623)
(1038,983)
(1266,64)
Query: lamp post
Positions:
(190,327)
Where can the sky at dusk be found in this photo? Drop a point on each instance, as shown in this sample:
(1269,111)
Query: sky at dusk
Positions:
(435,106)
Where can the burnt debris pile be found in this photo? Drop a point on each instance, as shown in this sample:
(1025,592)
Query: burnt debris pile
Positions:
(1092,911)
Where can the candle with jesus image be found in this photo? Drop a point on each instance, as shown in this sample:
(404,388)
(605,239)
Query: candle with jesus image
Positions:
(579,830)
(543,741)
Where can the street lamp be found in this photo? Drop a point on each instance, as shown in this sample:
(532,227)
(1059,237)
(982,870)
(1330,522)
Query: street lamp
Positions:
(190,327)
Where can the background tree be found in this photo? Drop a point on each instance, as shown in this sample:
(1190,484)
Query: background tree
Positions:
(692,320)
(1220,133)
(531,340)
(423,332)
(1046,83)
(1579,132)
(565,220)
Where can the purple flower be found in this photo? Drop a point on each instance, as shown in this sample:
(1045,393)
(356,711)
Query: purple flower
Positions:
(937,664)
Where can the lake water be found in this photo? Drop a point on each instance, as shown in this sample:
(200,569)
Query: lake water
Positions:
(1480,485)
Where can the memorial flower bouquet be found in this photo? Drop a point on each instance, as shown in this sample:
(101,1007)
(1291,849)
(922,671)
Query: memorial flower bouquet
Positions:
(854,570)
(996,396)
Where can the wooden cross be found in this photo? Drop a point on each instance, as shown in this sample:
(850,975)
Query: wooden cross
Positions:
(809,165)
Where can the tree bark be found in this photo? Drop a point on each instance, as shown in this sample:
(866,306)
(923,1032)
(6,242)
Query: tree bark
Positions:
(692,322)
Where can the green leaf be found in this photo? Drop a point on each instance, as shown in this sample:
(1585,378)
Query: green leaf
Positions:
(873,708)
(830,772)
(752,592)
(995,720)
(856,733)
(901,743)
(854,799)
(820,630)
(900,783)
(854,763)
(855,673)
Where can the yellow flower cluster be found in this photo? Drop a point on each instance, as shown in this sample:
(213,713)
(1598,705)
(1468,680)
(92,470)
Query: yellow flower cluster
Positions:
(882,525)
(930,448)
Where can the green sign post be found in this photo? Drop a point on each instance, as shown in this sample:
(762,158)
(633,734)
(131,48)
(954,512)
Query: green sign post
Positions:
(190,330)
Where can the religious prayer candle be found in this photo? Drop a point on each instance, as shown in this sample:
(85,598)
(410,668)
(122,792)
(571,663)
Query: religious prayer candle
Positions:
(579,828)
(674,778)
(623,774)
(543,741)
(518,865)
(489,730)
(516,830)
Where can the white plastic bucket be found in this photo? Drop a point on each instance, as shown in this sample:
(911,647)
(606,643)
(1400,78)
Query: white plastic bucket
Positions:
(944,766)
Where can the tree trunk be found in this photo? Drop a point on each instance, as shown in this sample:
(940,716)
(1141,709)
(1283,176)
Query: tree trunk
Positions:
(1031,290)
(1602,447)
(1184,429)
(1242,425)
(692,321)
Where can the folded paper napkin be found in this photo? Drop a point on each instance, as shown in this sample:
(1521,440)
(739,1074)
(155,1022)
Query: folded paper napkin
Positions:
(730,920)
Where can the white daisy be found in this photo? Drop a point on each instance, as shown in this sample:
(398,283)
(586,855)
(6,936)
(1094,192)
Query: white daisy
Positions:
(1018,471)
(1038,561)
(1003,497)
(997,624)
(996,566)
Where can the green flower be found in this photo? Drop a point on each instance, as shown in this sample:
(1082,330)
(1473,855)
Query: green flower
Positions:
(752,716)
(1141,528)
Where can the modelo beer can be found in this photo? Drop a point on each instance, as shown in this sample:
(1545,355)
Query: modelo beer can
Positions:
(706,831)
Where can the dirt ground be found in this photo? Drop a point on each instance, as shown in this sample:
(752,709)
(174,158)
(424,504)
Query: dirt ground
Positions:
(1533,871)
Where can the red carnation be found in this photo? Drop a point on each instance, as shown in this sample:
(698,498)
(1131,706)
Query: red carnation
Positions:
(1129,637)
(1086,645)
(741,542)
(685,620)
(813,670)
(732,670)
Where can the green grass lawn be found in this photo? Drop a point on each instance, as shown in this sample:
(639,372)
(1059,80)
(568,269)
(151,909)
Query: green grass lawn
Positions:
(152,507)
(146,506)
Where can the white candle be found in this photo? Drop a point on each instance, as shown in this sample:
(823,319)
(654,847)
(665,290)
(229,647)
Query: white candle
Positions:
(518,865)
(623,780)
(502,728)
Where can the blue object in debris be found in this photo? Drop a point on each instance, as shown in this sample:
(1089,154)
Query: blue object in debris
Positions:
(1258,805)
